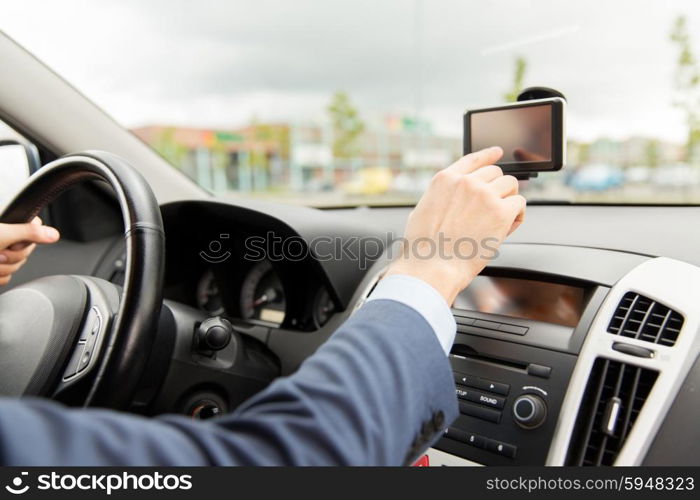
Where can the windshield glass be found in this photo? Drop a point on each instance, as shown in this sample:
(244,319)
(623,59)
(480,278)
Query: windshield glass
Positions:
(361,102)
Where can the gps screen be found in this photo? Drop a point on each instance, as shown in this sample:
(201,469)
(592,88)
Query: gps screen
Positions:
(525,134)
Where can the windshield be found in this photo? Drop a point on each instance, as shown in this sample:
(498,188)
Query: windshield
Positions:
(361,102)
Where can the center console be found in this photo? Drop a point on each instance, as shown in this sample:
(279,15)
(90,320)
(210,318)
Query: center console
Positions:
(515,350)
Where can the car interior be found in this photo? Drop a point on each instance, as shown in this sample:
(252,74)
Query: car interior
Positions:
(577,345)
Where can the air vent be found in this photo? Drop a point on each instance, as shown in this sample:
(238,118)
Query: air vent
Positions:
(641,318)
(615,394)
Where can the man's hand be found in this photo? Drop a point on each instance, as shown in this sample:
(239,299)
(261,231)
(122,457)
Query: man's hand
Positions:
(456,227)
(17,242)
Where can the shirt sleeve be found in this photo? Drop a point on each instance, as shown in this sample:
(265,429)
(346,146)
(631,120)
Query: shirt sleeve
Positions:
(422,298)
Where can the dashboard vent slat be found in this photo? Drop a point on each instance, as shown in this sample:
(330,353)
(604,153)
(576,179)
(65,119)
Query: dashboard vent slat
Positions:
(639,317)
(600,433)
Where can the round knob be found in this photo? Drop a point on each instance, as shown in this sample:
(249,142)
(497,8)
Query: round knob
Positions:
(206,410)
(529,411)
(214,334)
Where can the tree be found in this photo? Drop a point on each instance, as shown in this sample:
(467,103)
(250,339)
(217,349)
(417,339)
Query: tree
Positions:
(518,77)
(687,83)
(167,145)
(347,126)
(651,153)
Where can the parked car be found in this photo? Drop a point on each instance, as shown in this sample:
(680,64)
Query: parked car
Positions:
(638,174)
(679,175)
(597,177)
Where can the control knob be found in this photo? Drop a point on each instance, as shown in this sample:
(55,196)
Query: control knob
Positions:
(214,334)
(529,411)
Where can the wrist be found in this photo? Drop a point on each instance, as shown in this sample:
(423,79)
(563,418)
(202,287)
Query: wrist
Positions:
(447,281)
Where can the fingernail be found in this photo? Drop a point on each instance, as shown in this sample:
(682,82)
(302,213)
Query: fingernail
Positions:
(3,258)
(50,233)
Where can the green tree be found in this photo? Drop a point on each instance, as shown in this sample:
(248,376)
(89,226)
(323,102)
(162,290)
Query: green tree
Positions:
(584,155)
(167,145)
(687,83)
(651,153)
(347,126)
(518,77)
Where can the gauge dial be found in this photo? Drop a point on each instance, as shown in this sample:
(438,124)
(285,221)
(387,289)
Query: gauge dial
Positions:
(323,308)
(208,296)
(262,297)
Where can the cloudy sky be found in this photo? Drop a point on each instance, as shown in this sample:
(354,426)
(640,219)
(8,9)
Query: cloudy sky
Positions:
(219,63)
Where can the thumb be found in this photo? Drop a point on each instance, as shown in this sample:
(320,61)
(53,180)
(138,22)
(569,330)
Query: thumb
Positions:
(10,234)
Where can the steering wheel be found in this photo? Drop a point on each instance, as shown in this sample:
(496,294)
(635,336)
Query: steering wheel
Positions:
(78,335)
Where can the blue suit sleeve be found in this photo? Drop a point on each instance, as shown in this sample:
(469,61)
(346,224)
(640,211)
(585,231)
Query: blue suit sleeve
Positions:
(379,392)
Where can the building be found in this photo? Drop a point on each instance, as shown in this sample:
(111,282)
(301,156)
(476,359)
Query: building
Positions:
(299,157)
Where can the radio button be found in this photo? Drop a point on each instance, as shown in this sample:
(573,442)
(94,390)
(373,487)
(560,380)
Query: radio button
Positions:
(479,411)
(468,380)
(480,397)
(461,320)
(476,440)
(491,325)
(490,386)
(456,434)
(486,399)
(463,392)
(504,449)
(539,370)
(514,329)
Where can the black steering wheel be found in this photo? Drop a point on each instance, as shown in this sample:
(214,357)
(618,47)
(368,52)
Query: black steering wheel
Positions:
(78,335)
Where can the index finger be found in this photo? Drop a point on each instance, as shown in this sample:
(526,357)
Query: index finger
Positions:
(473,161)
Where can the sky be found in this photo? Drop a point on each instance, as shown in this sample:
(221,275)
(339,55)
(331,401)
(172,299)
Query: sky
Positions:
(210,63)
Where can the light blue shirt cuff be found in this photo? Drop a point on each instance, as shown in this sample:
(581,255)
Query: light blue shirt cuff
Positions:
(424,299)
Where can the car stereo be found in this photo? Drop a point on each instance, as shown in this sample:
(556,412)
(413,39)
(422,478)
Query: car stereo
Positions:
(515,350)
(509,398)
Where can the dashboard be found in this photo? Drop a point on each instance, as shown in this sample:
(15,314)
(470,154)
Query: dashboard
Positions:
(257,296)
(578,344)
(565,354)
(221,261)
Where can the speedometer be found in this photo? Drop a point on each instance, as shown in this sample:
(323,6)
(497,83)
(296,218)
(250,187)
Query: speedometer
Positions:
(262,297)
(208,296)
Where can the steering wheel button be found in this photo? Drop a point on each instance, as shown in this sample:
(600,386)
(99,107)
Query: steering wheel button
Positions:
(72,366)
(90,343)
(84,360)
(90,321)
